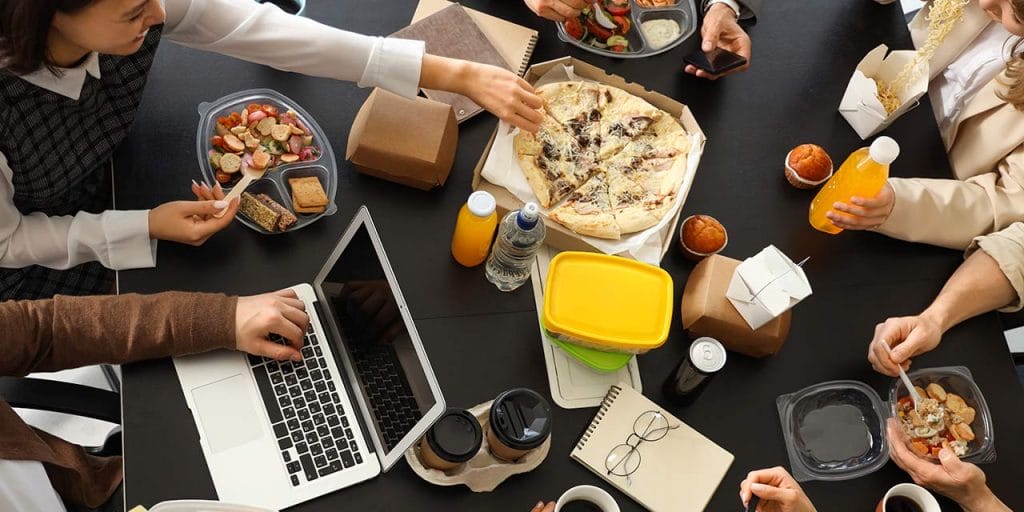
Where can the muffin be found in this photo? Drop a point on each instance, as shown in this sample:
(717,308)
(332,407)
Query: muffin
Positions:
(702,236)
(807,166)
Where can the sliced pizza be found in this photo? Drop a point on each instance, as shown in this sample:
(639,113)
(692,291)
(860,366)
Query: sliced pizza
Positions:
(588,211)
(568,100)
(635,208)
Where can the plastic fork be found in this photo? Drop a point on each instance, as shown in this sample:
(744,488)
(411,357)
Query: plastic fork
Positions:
(906,380)
(249,175)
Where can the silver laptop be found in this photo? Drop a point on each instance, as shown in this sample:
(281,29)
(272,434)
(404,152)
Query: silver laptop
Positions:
(278,434)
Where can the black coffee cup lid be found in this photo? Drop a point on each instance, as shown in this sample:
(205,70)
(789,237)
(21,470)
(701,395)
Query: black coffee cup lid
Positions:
(456,436)
(521,418)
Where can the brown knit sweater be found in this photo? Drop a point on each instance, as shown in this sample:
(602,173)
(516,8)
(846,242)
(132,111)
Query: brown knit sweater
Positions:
(68,332)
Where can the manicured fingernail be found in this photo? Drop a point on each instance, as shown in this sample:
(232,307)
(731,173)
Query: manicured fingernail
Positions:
(194,184)
(540,504)
(220,204)
(296,357)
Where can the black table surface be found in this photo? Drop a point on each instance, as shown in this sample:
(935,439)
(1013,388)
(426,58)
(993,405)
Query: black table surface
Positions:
(481,341)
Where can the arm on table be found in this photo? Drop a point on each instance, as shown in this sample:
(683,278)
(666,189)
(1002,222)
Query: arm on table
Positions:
(68,332)
(266,35)
(991,278)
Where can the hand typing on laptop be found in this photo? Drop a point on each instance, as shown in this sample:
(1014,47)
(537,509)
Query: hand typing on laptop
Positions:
(280,313)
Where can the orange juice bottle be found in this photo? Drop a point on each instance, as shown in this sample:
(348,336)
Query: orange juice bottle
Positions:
(863,174)
(474,229)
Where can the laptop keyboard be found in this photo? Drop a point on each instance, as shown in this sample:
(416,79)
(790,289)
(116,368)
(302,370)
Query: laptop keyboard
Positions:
(313,430)
(389,393)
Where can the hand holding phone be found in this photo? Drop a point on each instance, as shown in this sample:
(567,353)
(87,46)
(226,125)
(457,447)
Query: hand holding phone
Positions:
(717,61)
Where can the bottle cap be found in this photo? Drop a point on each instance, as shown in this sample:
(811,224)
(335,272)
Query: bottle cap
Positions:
(528,216)
(884,150)
(481,203)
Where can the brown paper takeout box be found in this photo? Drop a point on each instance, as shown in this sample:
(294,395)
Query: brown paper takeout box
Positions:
(557,235)
(707,312)
(407,141)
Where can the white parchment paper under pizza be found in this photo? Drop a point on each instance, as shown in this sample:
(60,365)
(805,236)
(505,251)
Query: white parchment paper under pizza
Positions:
(502,169)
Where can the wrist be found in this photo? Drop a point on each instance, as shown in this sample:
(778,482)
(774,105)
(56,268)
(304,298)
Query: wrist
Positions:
(937,315)
(983,501)
(722,7)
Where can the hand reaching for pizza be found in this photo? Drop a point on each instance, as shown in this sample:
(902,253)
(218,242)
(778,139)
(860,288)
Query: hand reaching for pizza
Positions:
(498,90)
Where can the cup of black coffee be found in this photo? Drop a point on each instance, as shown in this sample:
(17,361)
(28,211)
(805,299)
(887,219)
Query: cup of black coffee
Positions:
(289,6)
(908,498)
(586,498)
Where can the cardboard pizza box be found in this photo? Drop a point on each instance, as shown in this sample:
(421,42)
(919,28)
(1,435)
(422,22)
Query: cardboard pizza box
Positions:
(559,236)
(408,141)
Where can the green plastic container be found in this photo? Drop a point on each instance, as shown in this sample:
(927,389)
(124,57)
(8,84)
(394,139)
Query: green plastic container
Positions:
(597,359)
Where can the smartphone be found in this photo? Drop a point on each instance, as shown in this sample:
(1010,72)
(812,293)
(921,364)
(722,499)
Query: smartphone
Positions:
(716,61)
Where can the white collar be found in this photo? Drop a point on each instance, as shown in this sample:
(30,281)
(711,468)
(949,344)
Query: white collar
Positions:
(70,81)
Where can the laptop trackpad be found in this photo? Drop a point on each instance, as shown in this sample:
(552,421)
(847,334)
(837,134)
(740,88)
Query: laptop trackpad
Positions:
(227,414)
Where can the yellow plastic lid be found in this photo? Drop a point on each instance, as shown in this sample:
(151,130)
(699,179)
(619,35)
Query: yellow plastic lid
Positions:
(608,301)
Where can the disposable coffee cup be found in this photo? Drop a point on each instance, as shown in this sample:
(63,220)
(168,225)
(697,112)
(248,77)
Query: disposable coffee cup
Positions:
(520,420)
(586,498)
(454,439)
(908,495)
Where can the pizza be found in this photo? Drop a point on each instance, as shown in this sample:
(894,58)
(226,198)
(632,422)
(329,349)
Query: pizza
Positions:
(606,162)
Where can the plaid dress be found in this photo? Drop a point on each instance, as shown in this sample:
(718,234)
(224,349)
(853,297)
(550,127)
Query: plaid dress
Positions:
(59,152)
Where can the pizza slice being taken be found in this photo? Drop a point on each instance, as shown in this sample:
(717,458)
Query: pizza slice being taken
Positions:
(588,211)
(568,100)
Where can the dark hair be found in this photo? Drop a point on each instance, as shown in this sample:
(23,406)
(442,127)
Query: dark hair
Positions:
(24,27)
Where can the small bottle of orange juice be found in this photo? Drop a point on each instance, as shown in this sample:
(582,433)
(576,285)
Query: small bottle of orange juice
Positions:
(474,229)
(863,174)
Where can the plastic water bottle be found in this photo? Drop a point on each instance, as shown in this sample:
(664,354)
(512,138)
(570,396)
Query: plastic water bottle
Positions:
(520,235)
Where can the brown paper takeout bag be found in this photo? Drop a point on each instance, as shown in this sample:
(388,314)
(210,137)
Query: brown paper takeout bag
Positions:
(408,141)
(707,312)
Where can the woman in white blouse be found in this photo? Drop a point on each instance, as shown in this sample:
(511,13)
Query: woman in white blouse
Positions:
(71,76)
(977,94)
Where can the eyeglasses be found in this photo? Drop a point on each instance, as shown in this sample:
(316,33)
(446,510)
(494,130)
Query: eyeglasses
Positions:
(624,459)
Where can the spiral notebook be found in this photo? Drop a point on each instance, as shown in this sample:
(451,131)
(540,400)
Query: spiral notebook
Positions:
(678,473)
(450,30)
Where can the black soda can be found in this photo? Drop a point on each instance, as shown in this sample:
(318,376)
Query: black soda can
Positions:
(705,358)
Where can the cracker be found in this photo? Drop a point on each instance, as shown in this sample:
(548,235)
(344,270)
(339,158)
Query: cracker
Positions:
(311,209)
(308,192)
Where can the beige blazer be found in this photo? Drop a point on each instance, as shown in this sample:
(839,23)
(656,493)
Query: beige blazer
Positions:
(986,152)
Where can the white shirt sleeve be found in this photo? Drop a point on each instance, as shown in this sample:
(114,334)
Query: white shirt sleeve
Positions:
(25,487)
(264,34)
(117,239)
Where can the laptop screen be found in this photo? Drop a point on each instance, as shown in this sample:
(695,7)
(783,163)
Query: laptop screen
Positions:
(387,366)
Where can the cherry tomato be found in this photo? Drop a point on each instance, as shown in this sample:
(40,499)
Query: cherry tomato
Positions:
(617,48)
(217,141)
(623,23)
(597,30)
(270,110)
(574,28)
(617,8)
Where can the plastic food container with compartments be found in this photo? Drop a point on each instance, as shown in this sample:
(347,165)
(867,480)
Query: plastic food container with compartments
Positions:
(683,12)
(274,182)
(607,303)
